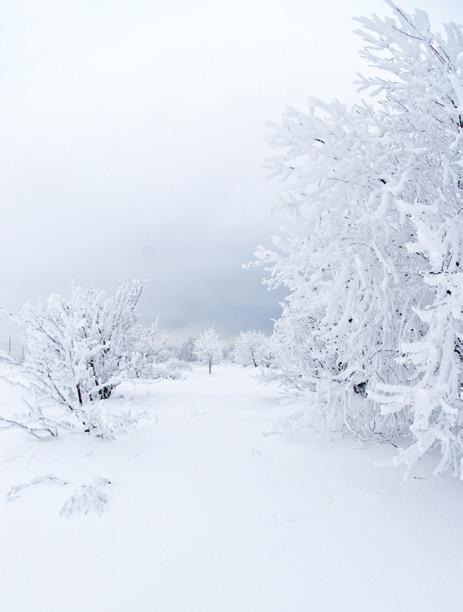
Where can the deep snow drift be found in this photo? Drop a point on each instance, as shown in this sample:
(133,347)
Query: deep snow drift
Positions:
(211,508)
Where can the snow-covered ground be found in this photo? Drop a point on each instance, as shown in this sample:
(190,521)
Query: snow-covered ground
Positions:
(211,509)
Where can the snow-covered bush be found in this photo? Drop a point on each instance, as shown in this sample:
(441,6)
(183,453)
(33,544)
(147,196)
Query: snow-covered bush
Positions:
(149,348)
(371,251)
(209,348)
(172,369)
(88,498)
(78,349)
(250,349)
(152,358)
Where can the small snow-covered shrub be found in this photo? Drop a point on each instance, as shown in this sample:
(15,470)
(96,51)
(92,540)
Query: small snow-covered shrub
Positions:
(89,498)
(172,369)
(152,358)
(78,349)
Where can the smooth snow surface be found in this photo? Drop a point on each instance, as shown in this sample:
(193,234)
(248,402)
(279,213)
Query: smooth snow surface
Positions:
(211,509)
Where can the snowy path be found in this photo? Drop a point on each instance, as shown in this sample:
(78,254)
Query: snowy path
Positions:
(208,514)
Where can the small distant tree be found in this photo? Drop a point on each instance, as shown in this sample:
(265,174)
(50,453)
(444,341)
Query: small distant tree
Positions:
(152,357)
(228,351)
(186,352)
(249,348)
(149,348)
(209,348)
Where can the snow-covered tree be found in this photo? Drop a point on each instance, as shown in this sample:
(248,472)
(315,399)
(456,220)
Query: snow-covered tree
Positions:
(228,351)
(149,348)
(343,259)
(250,348)
(209,348)
(371,248)
(422,84)
(79,348)
(186,352)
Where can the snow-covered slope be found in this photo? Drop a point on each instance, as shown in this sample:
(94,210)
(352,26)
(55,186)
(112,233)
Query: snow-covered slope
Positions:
(210,509)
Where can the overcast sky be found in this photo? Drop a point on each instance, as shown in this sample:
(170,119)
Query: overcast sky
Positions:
(132,140)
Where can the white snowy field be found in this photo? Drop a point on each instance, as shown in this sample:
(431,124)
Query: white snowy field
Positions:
(212,510)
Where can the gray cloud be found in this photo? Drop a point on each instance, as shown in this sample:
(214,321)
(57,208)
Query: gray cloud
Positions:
(133,138)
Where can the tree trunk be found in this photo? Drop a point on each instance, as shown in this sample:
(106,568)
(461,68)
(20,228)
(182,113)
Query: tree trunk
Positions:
(79,394)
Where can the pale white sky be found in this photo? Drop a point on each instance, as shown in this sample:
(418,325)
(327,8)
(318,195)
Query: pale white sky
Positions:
(133,139)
